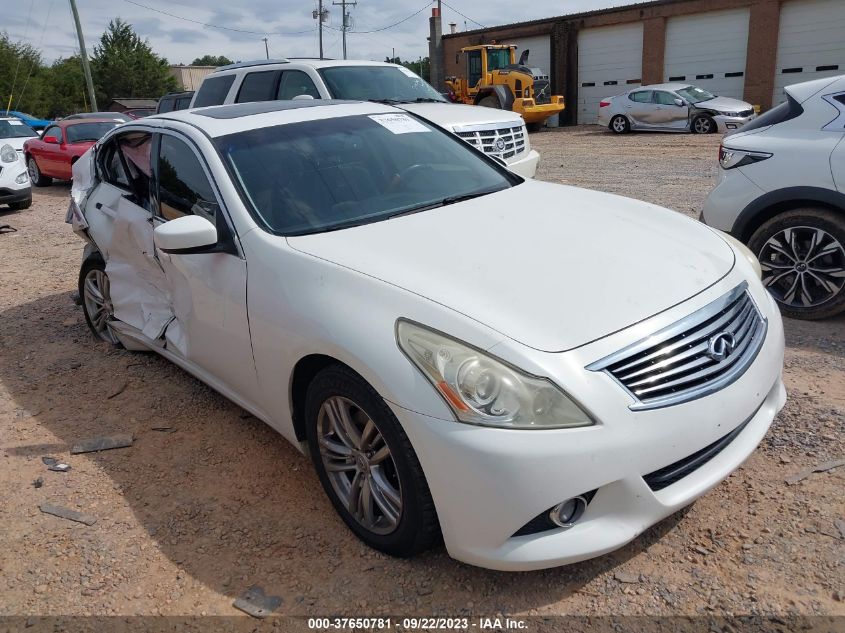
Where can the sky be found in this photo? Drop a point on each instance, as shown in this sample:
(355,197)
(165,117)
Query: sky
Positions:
(288,25)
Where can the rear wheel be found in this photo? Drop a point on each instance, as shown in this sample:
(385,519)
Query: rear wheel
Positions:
(38,179)
(620,124)
(802,254)
(95,291)
(490,101)
(367,465)
(703,125)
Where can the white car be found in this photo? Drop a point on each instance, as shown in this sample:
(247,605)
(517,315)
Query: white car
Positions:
(498,133)
(673,108)
(15,188)
(434,330)
(781,190)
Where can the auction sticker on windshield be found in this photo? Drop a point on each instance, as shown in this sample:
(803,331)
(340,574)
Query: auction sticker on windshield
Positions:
(399,123)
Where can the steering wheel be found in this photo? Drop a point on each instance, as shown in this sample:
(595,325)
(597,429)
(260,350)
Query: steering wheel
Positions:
(405,175)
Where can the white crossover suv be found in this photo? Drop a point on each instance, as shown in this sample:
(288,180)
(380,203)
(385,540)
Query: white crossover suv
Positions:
(15,188)
(420,320)
(781,190)
(498,133)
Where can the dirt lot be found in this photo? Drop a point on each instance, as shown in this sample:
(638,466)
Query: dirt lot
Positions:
(188,519)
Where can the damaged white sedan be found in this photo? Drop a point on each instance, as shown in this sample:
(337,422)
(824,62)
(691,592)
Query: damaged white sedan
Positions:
(535,373)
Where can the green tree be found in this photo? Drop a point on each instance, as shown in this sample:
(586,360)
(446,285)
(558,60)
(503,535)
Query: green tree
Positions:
(422,66)
(64,88)
(212,60)
(124,65)
(21,77)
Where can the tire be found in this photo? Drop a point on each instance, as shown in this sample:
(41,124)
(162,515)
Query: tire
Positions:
(703,124)
(410,526)
(490,101)
(20,206)
(620,124)
(789,247)
(92,277)
(38,179)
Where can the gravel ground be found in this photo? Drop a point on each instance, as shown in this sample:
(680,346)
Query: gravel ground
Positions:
(188,519)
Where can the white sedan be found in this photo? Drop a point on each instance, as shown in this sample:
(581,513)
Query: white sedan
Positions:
(536,373)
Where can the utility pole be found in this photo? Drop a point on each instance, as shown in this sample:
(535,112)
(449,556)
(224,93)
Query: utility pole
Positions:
(83,54)
(345,27)
(321,15)
(266,48)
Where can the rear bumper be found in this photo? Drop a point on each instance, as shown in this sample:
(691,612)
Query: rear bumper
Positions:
(527,165)
(732,193)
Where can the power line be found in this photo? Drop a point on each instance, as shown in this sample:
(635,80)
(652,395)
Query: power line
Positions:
(462,15)
(390,26)
(215,26)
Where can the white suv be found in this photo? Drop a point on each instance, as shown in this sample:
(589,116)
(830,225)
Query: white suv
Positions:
(781,190)
(498,133)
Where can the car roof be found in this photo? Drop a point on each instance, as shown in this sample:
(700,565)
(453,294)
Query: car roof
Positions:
(668,86)
(70,122)
(303,61)
(227,119)
(803,91)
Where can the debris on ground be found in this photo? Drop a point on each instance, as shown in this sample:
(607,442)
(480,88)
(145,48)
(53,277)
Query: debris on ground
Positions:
(821,468)
(67,513)
(840,525)
(164,429)
(55,465)
(627,577)
(38,482)
(255,603)
(104,443)
(118,391)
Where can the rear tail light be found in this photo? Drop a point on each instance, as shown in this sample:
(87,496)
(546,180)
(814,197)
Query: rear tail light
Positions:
(604,104)
(730,158)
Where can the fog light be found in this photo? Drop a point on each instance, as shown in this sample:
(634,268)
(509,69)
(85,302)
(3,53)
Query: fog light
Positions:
(22,178)
(567,513)
(730,126)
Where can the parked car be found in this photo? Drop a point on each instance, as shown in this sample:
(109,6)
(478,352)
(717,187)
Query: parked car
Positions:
(673,108)
(15,189)
(139,113)
(781,190)
(120,117)
(36,123)
(498,133)
(405,323)
(175,101)
(60,146)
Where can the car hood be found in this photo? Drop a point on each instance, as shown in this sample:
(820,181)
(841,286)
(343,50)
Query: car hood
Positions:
(724,104)
(16,142)
(450,115)
(550,266)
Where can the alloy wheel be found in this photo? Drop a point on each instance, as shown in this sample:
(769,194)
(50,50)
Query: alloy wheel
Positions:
(803,266)
(98,305)
(702,125)
(34,172)
(359,465)
(619,124)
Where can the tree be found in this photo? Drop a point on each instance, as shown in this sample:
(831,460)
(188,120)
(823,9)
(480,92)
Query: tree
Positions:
(20,77)
(64,88)
(422,67)
(212,60)
(124,65)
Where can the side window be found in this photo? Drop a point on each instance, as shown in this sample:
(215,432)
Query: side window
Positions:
(135,149)
(111,166)
(473,68)
(259,86)
(641,96)
(295,83)
(664,98)
(165,104)
(184,189)
(54,130)
(213,90)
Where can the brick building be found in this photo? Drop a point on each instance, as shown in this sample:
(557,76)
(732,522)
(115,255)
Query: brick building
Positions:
(748,49)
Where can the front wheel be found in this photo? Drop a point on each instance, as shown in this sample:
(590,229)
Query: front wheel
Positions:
(95,292)
(367,465)
(703,125)
(21,205)
(38,179)
(490,101)
(620,124)
(802,255)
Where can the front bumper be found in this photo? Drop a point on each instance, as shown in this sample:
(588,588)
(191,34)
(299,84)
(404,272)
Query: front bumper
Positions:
(533,112)
(487,483)
(526,165)
(11,191)
(731,123)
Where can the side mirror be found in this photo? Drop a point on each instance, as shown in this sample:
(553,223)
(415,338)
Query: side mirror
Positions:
(51,139)
(679,102)
(185,235)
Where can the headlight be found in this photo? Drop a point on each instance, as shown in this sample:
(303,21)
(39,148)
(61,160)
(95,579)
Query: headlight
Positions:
(746,252)
(22,178)
(483,390)
(729,113)
(730,158)
(8,154)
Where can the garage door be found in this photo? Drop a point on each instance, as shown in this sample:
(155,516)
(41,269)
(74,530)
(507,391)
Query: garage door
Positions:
(540,51)
(610,61)
(811,43)
(708,50)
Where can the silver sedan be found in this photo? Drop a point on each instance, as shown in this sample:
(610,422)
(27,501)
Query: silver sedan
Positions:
(673,108)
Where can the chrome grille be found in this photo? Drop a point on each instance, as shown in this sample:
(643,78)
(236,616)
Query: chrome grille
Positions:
(692,358)
(504,142)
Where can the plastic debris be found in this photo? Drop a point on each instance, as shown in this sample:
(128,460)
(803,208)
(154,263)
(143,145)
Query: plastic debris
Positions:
(105,443)
(55,465)
(67,513)
(255,603)
(821,468)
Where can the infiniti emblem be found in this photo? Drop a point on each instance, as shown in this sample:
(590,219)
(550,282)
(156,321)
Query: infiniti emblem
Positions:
(720,346)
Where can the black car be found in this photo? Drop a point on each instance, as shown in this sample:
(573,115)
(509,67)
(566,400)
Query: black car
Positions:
(175,101)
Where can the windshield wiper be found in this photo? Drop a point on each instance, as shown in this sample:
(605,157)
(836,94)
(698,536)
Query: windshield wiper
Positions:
(444,202)
(417,100)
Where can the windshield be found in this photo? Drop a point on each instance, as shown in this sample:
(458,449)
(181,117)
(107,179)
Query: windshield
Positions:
(330,174)
(377,83)
(498,58)
(694,94)
(80,132)
(16,129)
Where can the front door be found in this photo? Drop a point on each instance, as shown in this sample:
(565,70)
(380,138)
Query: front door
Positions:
(667,113)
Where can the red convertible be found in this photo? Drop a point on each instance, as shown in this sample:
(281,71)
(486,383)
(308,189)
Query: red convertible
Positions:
(62,143)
